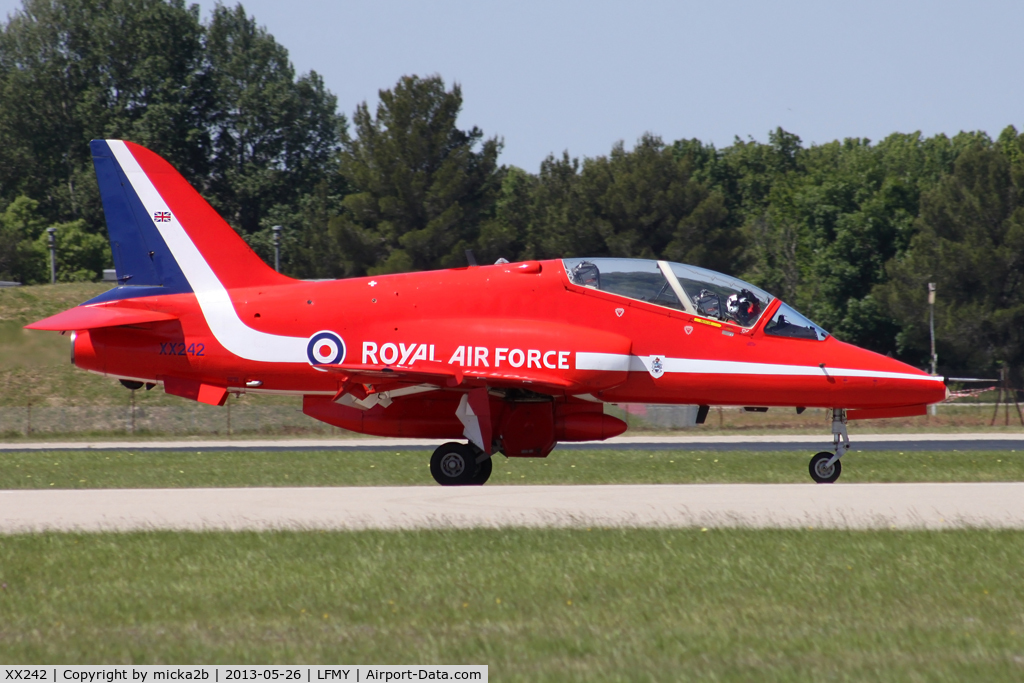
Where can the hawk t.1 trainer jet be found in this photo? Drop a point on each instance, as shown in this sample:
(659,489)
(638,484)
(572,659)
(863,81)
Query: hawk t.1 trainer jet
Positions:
(512,357)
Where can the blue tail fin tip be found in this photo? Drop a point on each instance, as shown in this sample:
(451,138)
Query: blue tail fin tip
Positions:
(142,260)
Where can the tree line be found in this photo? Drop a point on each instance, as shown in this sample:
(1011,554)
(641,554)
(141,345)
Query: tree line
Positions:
(850,232)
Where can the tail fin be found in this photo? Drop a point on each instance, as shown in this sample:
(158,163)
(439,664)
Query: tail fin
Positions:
(163,234)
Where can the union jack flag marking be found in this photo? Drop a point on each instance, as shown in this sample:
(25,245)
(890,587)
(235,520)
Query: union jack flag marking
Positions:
(162,216)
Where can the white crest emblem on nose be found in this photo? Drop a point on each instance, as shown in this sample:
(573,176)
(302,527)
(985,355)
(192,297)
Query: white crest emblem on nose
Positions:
(620,311)
(656,367)
(688,329)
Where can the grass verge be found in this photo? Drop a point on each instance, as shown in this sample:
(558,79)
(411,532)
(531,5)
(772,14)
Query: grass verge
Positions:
(174,469)
(535,605)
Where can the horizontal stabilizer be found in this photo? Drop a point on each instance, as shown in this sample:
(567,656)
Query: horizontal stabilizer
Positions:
(91,317)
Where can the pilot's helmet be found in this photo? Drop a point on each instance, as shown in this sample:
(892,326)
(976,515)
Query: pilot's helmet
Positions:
(743,306)
(586,273)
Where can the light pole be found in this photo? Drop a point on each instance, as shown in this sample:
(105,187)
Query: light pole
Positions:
(51,235)
(277,247)
(931,323)
(931,328)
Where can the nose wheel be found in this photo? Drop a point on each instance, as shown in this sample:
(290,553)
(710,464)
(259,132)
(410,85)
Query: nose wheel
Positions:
(825,467)
(821,471)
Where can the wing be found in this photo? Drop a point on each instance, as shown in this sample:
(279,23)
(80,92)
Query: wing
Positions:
(384,377)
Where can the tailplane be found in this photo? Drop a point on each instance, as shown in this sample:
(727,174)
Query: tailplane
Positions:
(165,238)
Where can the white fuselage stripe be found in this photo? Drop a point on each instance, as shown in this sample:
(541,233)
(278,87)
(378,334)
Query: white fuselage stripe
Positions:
(620,362)
(229,330)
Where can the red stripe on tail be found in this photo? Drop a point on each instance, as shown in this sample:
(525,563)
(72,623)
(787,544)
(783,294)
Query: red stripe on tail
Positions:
(234,263)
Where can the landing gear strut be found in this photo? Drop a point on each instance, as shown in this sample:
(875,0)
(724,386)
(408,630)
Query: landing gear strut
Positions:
(825,467)
(458,464)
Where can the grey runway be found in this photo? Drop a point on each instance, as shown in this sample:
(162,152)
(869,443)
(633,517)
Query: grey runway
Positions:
(855,506)
(781,442)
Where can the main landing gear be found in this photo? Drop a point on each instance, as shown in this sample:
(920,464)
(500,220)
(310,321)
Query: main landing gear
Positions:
(825,467)
(459,464)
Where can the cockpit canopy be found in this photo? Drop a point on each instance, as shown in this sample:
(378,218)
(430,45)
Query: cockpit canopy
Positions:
(697,291)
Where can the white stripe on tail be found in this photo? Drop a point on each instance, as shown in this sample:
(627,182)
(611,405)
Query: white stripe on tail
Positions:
(234,335)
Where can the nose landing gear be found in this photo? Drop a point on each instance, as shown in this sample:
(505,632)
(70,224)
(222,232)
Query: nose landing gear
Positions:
(821,471)
(457,464)
(825,467)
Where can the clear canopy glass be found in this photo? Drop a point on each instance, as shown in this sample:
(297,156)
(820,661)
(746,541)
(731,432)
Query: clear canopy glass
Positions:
(695,290)
(788,323)
(714,295)
(634,278)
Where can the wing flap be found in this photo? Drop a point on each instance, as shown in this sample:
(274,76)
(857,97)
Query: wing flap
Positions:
(91,317)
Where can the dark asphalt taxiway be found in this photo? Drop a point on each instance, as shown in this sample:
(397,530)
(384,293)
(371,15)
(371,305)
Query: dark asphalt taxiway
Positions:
(781,442)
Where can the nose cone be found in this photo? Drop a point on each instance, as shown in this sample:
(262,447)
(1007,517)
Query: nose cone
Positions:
(865,379)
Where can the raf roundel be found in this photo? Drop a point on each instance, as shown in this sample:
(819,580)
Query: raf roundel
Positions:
(325,348)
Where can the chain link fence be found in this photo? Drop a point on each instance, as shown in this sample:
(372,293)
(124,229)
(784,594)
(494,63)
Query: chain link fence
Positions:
(231,420)
(248,419)
(187,419)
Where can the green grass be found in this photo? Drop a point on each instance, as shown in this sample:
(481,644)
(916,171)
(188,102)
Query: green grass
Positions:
(28,304)
(170,469)
(534,605)
(35,366)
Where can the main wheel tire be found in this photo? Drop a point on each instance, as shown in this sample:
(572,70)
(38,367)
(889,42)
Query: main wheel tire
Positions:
(453,464)
(483,472)
(820,472)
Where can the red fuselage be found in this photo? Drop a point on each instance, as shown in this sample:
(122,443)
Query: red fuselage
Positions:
(524,321)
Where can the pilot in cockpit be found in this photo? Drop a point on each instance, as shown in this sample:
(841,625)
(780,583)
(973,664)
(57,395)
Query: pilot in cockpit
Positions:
(586,274)
(743,307)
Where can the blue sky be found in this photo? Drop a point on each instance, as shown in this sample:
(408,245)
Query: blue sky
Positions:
(578,76)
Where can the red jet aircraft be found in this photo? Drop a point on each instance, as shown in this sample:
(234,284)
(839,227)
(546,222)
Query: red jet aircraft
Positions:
(513,357)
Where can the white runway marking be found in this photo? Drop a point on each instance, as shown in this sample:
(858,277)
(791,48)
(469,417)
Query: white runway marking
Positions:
(932,506)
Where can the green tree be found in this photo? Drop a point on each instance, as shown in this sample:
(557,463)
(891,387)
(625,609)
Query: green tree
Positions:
(971,243)
(821,222)
(73,70)
(220,101)
(272,136)
(310,247)
(504,235)
(421,185)
(25,247)
(553,219)
(755,181)
(645,203)
(641,203)
(863,201)
(81,255)
(21,225)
